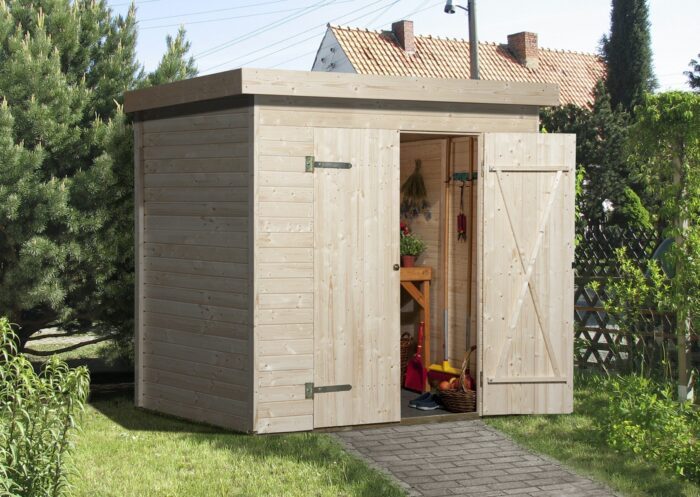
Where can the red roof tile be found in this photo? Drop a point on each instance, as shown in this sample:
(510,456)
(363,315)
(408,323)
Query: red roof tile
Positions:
(378,52)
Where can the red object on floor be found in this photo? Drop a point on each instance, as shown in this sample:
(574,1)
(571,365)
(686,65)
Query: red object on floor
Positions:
(416,373)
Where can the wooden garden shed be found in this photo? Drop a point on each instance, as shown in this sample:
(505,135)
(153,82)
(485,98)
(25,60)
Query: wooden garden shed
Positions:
(268,289)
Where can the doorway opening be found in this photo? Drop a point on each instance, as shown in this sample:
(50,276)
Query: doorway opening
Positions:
(440,289)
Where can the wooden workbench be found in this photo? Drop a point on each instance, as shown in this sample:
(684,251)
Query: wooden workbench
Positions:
(410,276)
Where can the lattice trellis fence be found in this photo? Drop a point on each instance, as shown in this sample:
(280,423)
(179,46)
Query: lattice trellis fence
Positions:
(598,341)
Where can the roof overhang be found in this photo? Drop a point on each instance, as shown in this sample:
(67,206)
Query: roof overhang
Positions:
(247,81)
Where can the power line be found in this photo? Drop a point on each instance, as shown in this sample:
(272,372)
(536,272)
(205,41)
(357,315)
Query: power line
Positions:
(129,3)
(382,12)
(417,11)
(238,7)
(255,32)
(222,19)
(286,40)
(306,39)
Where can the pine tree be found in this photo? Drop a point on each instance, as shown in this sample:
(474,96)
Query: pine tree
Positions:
(175,64)
(627,52)
(66,167)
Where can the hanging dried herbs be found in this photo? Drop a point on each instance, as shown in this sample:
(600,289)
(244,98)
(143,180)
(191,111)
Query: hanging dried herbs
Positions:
(414,196)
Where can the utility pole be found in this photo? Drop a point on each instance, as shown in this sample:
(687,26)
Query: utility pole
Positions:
(473,38)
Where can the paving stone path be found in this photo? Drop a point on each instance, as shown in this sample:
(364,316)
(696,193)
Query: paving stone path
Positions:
(466,458)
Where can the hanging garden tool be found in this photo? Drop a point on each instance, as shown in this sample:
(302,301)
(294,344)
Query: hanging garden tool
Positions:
(414,196)
(461,217)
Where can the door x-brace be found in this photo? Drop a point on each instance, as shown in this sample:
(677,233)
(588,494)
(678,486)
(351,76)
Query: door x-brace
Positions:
(527,287)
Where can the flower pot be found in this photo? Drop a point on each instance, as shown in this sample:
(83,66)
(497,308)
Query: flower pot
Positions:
(408,260)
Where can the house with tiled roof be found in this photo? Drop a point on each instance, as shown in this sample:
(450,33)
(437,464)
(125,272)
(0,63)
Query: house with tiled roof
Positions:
(400,53)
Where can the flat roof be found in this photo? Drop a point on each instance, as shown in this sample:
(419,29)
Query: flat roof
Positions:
(246,81)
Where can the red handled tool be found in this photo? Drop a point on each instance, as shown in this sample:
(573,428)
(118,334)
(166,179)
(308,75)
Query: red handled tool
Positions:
(416,373)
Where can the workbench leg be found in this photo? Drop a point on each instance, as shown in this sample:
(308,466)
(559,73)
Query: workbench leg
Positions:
(425,289)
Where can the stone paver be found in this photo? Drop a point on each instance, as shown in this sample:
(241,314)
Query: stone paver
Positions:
(465,458)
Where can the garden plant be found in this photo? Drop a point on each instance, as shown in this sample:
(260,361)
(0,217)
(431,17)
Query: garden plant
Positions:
(39,415)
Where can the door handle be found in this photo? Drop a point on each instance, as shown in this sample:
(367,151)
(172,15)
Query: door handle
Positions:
(396,267)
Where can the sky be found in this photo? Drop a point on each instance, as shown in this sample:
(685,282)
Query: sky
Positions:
(284,34)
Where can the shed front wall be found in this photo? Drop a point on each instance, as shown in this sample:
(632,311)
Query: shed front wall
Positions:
(283,232)
(194,294)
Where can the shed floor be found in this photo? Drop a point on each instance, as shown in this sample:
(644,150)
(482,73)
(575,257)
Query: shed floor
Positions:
(410,412)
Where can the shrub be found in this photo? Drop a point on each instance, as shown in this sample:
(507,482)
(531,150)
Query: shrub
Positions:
(38,415)
(634,299)
(643,418)
(411,245)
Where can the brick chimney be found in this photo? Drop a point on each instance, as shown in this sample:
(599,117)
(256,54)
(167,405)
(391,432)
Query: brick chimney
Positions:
(403,31)
(523,46)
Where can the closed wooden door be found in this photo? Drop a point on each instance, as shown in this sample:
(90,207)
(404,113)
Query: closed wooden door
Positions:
(356,303)
(526,250)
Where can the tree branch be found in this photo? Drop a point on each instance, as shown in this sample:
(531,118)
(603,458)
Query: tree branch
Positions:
(46,353)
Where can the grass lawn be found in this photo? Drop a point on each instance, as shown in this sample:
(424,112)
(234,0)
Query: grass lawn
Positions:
(576,441)
(91,351)
(124,452)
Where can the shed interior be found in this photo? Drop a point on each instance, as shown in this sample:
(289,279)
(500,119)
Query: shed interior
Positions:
(447,166)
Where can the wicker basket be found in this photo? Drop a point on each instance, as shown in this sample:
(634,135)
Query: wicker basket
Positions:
(406,349)
(460,400)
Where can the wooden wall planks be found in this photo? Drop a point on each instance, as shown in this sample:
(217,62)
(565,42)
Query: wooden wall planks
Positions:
(283,278)
(194,290)
(431,153)
(284,213)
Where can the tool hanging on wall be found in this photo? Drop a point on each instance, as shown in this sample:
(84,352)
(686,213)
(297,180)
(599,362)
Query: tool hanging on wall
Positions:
(461,217)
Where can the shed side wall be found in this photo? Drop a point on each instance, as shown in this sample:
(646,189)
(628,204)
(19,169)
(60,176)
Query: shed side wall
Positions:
(194,358)
(284,212)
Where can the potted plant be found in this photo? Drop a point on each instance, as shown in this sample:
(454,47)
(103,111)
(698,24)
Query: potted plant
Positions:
(411,247)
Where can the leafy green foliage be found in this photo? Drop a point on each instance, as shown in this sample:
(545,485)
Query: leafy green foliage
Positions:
(665,148)
(601,134)
(410,244)
(694,74)
(631,211)
(580,220)
(632,299)
(645,420)
(38,418)
(66,167)
(579,440)
(665,142)
(627,52)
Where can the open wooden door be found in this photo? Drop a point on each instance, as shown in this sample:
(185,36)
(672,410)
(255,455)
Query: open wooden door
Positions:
(526,251)
(356,303)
